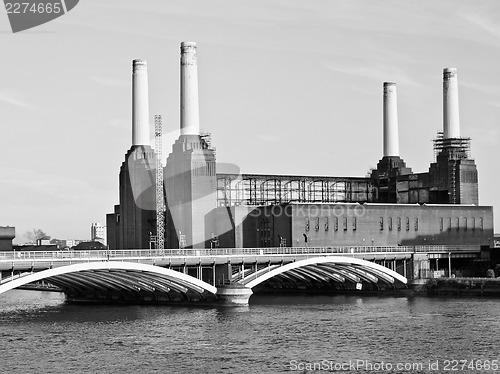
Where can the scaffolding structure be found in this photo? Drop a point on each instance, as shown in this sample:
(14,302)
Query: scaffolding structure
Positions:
(456,148)
(207,139)
(160,196)
(253,189)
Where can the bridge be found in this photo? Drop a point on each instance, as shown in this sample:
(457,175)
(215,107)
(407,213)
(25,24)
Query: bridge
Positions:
(225,275)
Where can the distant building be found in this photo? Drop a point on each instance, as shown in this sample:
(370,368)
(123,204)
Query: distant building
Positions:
(7,234)
(98,233)
(92,245)
(496,241)
(31,248)
(392,205)
(69,243)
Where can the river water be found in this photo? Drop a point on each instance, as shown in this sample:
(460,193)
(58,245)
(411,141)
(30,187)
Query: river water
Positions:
(40,333)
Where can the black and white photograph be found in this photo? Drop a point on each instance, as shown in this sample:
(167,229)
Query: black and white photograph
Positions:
(236,186)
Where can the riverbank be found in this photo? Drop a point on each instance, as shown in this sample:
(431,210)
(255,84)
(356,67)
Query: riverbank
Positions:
(457,286)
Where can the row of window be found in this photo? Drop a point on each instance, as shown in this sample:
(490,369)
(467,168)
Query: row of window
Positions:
(400,223)
(326,223)
(458,223)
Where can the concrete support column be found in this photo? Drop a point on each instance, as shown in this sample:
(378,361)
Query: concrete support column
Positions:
(421,265)
(234,295)
(223,273)
(391,136)
(213,274)
(190,116)
(451,119)
(140,103)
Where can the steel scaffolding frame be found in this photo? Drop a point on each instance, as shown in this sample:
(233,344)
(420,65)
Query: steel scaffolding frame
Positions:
(254,189)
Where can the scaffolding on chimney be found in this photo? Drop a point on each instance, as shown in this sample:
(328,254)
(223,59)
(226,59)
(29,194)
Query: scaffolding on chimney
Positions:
(207,139)
(456,148)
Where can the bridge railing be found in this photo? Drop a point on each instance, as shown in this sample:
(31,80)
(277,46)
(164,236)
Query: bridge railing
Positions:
(155,253)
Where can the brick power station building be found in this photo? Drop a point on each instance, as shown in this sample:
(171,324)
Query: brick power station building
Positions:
(391,206)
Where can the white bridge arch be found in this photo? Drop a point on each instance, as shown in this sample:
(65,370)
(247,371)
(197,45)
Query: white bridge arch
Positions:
(118,281)
(330,268)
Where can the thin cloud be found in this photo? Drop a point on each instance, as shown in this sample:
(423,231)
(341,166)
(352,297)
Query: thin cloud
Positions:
(378,73)
(12,99)
(115,83)
(490,27)
(486,89)
(120,123)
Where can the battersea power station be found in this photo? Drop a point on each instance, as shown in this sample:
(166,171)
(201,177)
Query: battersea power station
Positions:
(391,206)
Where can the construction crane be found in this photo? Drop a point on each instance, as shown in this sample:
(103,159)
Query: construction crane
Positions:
(160,199)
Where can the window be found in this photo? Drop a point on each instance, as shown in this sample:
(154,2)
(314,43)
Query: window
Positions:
(481,223)
(441,224)
(307,223)
(473,223)
(381,223)
(449,223)
(390,223)
(336,224)
(326,223)
(465,223)
(458,223)
(317,224)
(399,223)
(354,223)
(345,223)
(407,223)
(416,223)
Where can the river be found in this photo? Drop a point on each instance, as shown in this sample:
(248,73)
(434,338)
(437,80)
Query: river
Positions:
(40,333)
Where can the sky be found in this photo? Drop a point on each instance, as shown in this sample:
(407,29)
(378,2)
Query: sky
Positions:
(286,87)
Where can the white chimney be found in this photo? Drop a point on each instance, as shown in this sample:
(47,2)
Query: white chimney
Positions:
(391,137)
(190,116)
(451,119)
(140,103)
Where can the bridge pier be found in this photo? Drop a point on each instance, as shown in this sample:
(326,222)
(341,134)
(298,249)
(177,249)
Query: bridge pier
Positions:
(234,294)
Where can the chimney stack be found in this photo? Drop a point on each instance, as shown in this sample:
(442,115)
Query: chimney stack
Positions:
(391,137)
(451,119)
(190,116)
(140,103)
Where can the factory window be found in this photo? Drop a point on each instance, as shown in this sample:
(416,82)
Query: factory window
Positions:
(307,223)
(473,223)
(336,224)
(326,223)
(416,223)
(458,223)
(390,223)
(345,223)
(407,223)
(354,223)
(441,224)
(317,224)
(481,223)
(399,223)
(381,223)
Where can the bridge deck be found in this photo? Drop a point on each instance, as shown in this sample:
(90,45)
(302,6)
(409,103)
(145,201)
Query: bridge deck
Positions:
(177,257)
